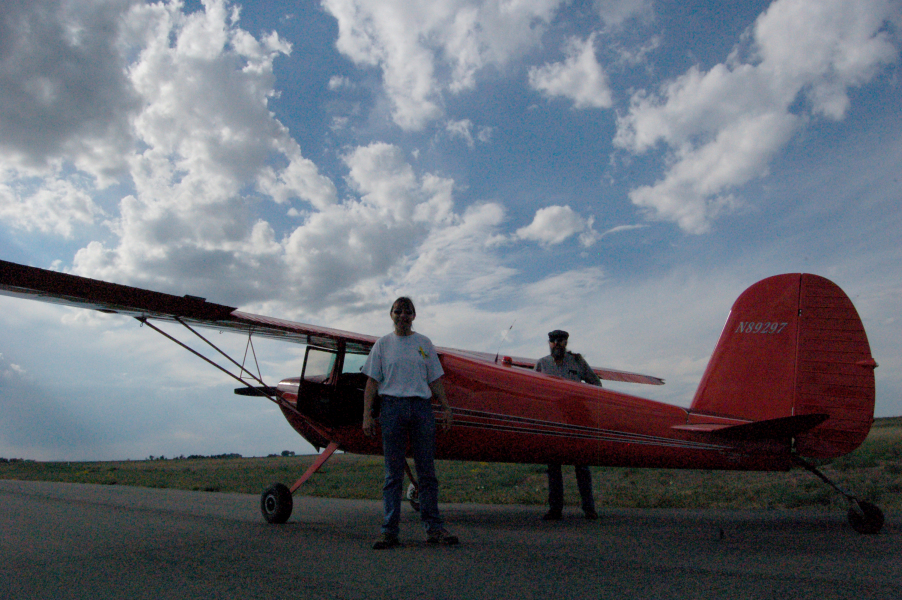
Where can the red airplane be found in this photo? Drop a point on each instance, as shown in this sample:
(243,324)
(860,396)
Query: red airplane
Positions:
(791,378)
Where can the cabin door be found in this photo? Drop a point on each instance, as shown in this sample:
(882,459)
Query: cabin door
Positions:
(331,387)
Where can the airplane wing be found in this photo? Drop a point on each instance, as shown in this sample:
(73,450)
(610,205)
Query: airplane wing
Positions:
(81,292)
(70,290)
(530,363)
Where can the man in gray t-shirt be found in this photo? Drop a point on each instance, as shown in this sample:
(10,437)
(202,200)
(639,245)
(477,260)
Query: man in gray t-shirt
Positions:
(569,366)
(404,370)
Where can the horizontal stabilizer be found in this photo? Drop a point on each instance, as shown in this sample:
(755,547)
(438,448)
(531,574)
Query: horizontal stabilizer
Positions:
(266,391)
(771,429)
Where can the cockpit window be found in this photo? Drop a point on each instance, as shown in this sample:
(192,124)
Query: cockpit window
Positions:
(353,363)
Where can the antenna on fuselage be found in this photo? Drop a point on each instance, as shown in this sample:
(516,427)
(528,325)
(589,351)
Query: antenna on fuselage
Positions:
(504,339)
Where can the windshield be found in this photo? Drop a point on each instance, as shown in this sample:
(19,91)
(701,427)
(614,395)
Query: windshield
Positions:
(318,364)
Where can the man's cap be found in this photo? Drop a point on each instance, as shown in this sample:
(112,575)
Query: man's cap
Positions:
(557,334)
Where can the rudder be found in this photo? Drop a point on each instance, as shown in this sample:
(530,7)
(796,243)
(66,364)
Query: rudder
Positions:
(835,372)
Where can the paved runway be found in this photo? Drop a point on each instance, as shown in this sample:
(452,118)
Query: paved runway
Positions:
(65,541)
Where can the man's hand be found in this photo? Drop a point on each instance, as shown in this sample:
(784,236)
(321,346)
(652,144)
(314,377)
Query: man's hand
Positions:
(447,418)
(369,425)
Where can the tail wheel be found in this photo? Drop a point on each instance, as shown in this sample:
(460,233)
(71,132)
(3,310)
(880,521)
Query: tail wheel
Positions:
(865,517)
(276,504)
(413,496)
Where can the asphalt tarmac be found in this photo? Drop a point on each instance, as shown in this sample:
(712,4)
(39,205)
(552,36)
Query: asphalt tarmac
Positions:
(65,541)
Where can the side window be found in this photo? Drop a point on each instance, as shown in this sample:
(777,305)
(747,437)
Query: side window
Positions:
(353,363)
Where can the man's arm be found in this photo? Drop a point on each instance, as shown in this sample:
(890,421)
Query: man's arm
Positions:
(586,372)
(438,390)
(369,398)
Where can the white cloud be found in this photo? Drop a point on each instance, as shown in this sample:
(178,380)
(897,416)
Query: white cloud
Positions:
(723,127)
(621,229)
(213,65)
(460,260)
(300,179)
(615,13)
(337,82)
(206,158)
(190,129)
(554,224)
(205,136)
(400,231)
(9,370)
(425,48)
(826,47)
(579,78)
(49,205)
(692,192)
(464,130)
(63,91)
(385,180)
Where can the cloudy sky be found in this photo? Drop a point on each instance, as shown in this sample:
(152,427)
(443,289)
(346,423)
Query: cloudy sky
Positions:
(622,169)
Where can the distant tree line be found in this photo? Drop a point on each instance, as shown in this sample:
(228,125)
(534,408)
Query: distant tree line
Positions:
(196,456)
(212,456)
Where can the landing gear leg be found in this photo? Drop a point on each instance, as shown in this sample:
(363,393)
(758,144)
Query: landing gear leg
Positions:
(864,517)
(413,490)
(276,503)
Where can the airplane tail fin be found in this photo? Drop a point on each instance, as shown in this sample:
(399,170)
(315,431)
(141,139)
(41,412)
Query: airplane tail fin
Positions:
(794,345)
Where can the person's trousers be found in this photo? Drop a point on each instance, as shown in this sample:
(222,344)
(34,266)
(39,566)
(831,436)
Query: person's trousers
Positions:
(404,419)
(556,487)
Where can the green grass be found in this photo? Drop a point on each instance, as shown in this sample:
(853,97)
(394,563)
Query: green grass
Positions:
(873,472)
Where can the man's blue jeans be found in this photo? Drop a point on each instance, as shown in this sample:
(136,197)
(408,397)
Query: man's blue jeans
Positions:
(404,419)
(556,487)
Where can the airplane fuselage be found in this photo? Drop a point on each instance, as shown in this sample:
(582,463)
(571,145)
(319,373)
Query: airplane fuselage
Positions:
(509,414)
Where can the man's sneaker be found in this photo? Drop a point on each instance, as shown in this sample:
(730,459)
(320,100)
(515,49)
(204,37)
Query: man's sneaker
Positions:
(552,515)
(386,540)
(441,536)
(590,514)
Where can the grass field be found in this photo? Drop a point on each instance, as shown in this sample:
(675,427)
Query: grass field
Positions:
(873,472)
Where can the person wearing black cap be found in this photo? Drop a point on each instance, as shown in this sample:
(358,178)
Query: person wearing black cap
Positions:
(570,366)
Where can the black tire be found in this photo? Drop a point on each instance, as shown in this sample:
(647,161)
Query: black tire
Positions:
(276,504)
(866,519)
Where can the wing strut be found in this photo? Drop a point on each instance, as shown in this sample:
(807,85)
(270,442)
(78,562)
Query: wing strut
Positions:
(250,346)
(264,391)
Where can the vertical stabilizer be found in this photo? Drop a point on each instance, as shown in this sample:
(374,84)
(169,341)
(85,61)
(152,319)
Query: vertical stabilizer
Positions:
(794,345)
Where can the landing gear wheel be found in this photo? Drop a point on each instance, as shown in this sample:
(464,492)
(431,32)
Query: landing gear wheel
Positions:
(866,518)
(276,504)
(413,496)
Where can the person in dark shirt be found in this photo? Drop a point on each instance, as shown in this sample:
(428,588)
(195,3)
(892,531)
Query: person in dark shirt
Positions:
(570,366)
